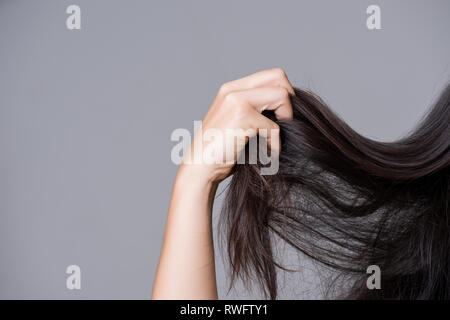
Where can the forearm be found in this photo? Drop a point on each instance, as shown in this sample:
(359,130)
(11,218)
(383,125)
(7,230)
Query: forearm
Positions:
(186,268)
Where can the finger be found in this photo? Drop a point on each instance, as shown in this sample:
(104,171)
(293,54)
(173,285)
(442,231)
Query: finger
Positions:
(268,129)
(264,98)
(275,77)
(256,124)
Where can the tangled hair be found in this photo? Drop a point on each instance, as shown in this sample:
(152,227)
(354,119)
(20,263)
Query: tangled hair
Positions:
(348,202)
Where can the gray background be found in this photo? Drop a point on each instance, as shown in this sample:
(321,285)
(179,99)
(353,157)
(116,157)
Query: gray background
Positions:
(86,117)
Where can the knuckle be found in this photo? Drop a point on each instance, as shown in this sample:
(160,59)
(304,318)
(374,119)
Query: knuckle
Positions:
(284,93)
(225,88)
(279,73)
(232,98)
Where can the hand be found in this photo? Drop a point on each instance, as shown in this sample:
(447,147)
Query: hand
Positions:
(235,116)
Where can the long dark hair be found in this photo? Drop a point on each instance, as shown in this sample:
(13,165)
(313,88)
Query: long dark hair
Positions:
(348,202)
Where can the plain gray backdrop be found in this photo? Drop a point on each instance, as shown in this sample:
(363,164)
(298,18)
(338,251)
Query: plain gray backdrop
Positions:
(86,117)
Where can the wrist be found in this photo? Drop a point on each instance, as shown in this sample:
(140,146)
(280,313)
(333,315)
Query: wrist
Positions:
(195,177)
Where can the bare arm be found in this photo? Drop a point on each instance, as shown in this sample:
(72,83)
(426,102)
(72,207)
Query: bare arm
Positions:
(186,267)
